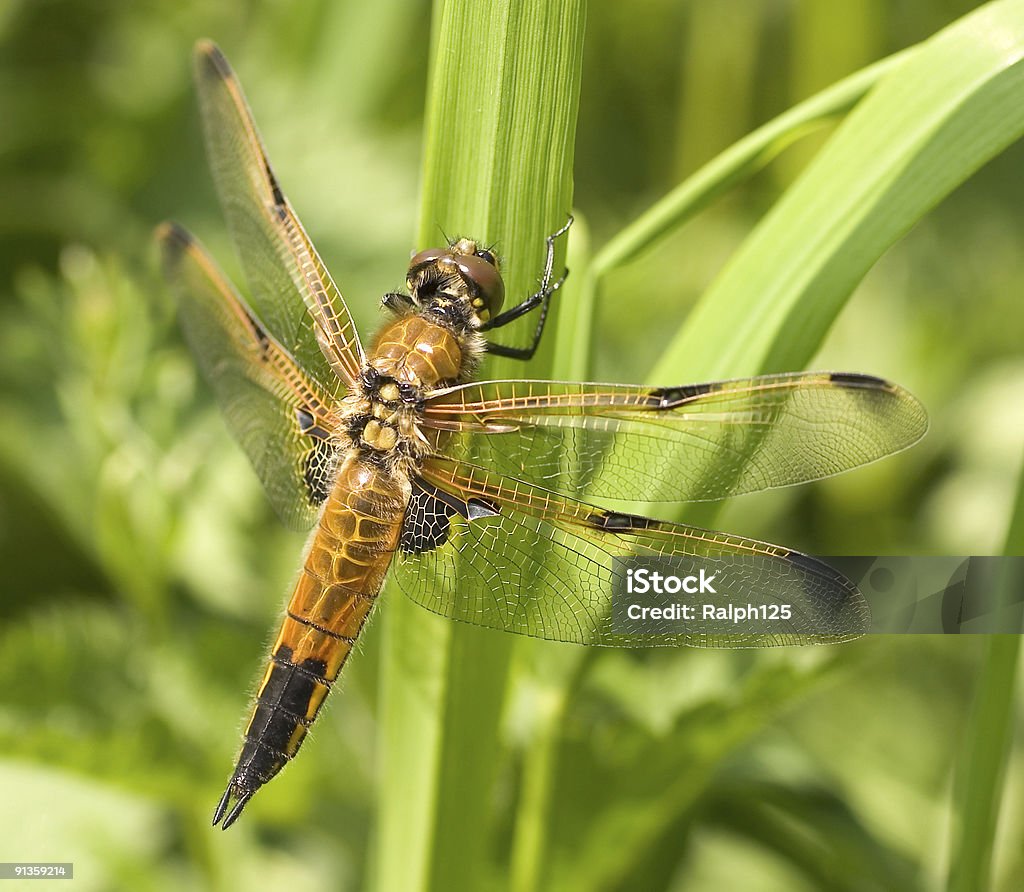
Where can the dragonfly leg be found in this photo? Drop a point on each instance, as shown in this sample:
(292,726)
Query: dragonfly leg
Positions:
(541,298)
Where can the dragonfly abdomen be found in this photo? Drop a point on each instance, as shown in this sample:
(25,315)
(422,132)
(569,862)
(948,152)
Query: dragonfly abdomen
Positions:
(346,560)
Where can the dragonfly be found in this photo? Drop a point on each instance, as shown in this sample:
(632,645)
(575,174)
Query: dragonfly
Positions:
(475,495)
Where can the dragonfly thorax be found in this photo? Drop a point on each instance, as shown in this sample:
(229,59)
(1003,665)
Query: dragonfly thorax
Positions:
(413,356)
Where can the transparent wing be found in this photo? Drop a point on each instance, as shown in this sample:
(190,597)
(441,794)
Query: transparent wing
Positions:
(279,416)
(690,443)
(292,292)
(497,552)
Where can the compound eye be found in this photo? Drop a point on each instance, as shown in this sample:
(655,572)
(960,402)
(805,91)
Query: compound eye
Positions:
(488,289)
(427,256)
(487,256)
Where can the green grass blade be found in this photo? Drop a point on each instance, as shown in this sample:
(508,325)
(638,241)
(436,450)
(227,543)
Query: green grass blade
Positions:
(556,668)
(982,765)
(737,163)
(985,748)
(498,162)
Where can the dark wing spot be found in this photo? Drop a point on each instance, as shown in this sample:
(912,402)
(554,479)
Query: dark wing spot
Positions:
(427,520)
(308,425)
(275,188)
(814,567)
(216,58)
(616,522)
(318,462)
(670,397)
(317,466)
(854,379)
(259,335)
(428,517)
(170,232)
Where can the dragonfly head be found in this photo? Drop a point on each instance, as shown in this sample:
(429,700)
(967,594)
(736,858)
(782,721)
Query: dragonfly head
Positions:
(464,272)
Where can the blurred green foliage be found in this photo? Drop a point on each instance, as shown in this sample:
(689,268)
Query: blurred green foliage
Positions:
(142,571)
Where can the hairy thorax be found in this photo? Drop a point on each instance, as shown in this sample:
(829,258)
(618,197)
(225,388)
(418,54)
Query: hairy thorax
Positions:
(411,356)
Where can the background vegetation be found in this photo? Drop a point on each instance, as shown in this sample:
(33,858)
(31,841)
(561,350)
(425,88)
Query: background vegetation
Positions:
(141,570)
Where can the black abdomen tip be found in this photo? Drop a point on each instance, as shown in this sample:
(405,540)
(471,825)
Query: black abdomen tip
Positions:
(235,794)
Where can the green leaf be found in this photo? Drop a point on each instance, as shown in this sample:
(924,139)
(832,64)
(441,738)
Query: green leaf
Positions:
(501,121)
